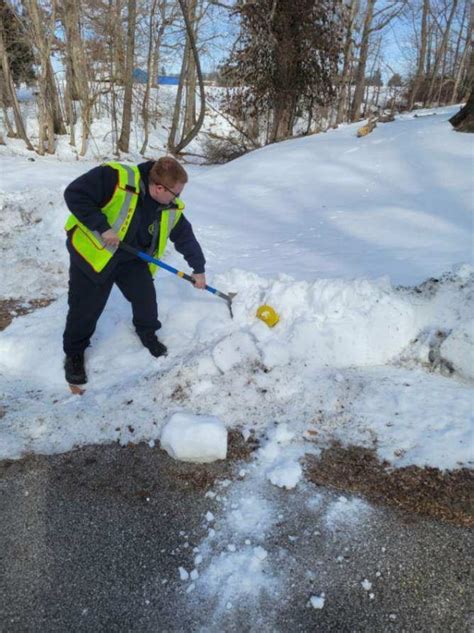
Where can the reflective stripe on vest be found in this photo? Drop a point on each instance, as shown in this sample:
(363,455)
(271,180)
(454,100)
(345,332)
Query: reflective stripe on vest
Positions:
(119,225)
(169,219)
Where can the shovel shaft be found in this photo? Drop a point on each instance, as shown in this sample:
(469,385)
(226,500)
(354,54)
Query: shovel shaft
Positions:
(175,271)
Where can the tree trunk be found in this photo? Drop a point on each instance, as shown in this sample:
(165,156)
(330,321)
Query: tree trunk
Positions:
(172,142)
(124,140)
(360,72)
(421,55)
(463,121)
(69,108)
(190,98)
(202,101)
(52,100)
(190,83)
(78,82)
(4,101)
(441,51)
(460,71)
(459,41)
(377,97)
(149,63)
(283,117)
(10,92)
(152,64)
(50,117)
(286,56)
(346,68)
(118,48)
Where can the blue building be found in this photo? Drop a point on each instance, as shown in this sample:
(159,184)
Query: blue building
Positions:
(140,76)
(168,80)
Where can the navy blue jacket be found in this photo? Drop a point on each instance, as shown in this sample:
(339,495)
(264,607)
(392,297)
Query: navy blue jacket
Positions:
(85,197)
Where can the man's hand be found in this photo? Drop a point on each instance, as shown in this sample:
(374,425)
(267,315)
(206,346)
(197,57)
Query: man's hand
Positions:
(110,238)
(199,280)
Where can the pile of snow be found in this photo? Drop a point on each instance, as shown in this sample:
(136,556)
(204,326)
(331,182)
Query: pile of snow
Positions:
(191,438)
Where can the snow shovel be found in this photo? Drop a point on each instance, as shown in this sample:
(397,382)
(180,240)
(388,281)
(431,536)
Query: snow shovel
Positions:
(151,260)
(265,312)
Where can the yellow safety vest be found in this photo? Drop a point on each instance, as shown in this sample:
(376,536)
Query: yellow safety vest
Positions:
(119,212)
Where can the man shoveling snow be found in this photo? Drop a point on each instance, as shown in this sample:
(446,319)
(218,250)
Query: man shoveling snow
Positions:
(139,206)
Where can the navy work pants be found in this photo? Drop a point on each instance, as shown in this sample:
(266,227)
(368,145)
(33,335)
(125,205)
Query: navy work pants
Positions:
(87,301)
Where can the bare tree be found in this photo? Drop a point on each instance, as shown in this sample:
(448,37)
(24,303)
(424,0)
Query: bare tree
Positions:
(461,71)
(374,20)
(124,140)
(189,135)
(349,16)
(77,72)
(440,54)
(41,27)
(153,50)
(189,118)
(421,55)
(8,93)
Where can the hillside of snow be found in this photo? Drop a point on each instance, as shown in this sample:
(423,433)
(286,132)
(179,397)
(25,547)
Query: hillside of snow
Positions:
(362,246)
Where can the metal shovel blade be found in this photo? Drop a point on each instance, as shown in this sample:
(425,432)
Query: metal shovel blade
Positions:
(229,297)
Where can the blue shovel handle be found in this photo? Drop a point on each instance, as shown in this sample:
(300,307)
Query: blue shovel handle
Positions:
(179,273)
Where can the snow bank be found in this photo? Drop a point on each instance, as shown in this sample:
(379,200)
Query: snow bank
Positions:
(341,355)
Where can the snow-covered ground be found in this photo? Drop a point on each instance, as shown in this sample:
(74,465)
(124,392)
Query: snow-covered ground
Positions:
(338,234)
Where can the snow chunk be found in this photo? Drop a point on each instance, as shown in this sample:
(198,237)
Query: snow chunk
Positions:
(194,438)
(285,474)
(366,584)
(317,602)
(183,574)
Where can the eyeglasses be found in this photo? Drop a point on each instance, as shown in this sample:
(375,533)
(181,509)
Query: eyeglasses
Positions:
(160,184)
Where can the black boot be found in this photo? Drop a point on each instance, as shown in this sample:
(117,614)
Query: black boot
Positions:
(74,369)
(153,345)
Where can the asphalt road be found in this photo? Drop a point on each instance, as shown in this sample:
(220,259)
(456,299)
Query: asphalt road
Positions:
(92,541)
